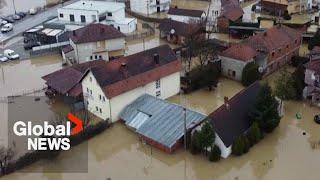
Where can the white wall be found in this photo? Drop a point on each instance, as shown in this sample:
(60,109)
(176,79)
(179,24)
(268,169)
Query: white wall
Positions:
(90,15)
(148,6)
(125,27)
(225,151)
(232,64)
(169,86)
(185,19)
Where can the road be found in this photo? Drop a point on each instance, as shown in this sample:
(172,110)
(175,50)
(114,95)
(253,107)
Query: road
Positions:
(31,21)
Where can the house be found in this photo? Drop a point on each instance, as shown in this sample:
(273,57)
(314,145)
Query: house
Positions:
(231,119)
(312,80)
(177,32)
(92,42)
(65,82)
(160,123)
(109,88)
(270,50)
(150,6)
(84,12)
(236,57)
(279,7)
(186,15)
(230,12)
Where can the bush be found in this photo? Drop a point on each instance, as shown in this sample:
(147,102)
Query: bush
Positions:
(203,76)
(195,145)
(285,86)
(254,134)
(240,146)
(206,136)
(250,74)
(298,83)
(215,154)
(314,41)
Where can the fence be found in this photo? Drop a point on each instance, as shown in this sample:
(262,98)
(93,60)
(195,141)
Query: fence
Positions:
(53,48)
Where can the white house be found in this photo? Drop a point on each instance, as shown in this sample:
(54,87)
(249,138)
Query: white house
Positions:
(149,6)
(108,89)
(84,12)
(186,15)
(93,42)
(231,120)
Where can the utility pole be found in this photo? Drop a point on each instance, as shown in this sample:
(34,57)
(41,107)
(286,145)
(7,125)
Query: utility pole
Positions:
(14,7)
(185,127)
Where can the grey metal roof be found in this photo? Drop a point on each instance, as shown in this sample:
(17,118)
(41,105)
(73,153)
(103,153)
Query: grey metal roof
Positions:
(165,124)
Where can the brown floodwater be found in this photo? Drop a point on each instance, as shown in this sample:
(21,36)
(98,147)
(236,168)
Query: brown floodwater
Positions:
(119,154)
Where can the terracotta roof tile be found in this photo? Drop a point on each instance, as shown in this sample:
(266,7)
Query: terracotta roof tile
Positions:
(240,52)
(180,28)
(185,12)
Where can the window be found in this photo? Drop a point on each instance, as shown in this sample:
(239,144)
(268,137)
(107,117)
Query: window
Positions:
(100,110)
(71,17)
(83,18)
(97,109)
(91,92)
(87,102)
(61,15)
(118,28)
(96,57)
(100,97)
(158,84)
(104,99)
(100,57)
(88,90)
(109,14)
(90,78)
(272,54)
(90,57)
(158,94)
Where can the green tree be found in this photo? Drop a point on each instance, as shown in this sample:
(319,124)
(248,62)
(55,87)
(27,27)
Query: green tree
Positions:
(284,88)
(254,134)
(215,154)
(206,136)
(250,74)
(203,76)
(241,145)
(265,111)
(298,81)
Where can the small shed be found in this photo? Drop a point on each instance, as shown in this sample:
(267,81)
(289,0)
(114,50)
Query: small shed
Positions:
(159,122)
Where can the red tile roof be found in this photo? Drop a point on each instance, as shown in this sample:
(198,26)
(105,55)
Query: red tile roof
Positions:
(180,28)
(95,32)
(240,52)
(231,9)
(64,80)
(274,38)
(67,49)
(130,72)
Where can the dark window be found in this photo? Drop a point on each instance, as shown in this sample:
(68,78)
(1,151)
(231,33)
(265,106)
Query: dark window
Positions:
(100,110)
(99,96)
(91,92)
(71,17)
(272,54)
(109,14)
(90,57)
(104,99)
(158,84)
(61,15)
(97,109)
(83,18)
(158,93)
(119,28)
(96,57)
(100,57)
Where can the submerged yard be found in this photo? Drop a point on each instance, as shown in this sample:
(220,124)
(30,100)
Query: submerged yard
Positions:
(119,154)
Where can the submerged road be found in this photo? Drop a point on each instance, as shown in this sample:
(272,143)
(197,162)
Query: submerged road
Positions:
(31,21)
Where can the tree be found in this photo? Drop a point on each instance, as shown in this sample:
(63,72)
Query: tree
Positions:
(314,41)
(298,81)
(286,15)
(253,8)
(203,76)
(250,74)
(240,145)
(206,136)
(6,154)
(254,134)
(285,86)
(215,154)
(265,111)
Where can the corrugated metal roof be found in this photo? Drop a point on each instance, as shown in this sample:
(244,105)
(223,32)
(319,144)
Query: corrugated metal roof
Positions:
(159,120)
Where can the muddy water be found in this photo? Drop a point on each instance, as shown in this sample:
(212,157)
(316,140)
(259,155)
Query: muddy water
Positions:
(19,77)
(7,7)
(118,153)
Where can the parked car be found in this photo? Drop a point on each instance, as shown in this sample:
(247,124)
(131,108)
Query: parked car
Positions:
(6,28)
(9,19)
(3,22)
(31,44)
(33,11)
(317,118)
(3,58)
(22,14)
(10,54)
(16,17)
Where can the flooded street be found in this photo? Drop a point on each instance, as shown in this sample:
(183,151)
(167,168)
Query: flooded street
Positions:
(7,7)
(279,154)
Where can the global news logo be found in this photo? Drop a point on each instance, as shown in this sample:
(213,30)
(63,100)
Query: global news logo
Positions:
(47,136)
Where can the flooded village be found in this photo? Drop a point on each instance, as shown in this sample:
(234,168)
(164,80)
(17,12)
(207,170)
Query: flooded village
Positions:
(157,55)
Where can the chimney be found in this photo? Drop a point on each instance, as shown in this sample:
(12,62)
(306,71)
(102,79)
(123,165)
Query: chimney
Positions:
(156,58)
(123,65)
(226,102)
